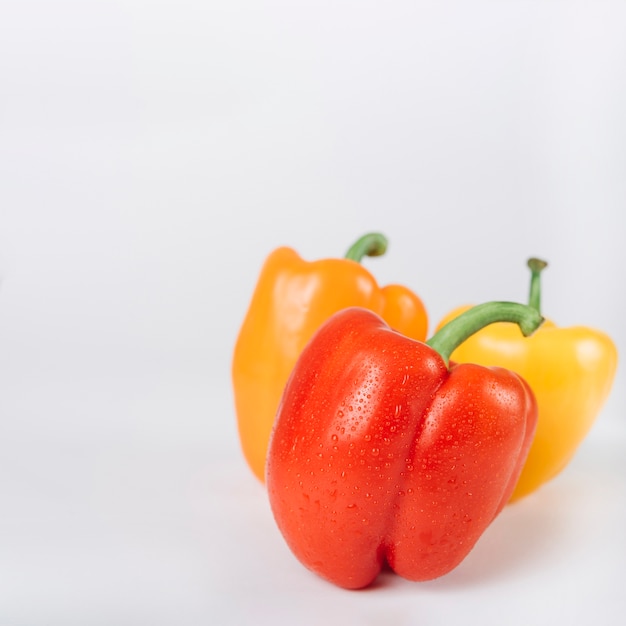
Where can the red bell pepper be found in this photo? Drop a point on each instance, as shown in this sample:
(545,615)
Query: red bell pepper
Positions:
(383,453)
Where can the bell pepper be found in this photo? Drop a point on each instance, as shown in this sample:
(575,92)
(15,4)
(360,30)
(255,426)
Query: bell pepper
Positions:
(383,453)
(292,299)
(570,371)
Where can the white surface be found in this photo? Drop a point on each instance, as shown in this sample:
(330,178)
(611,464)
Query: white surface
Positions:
(152,154)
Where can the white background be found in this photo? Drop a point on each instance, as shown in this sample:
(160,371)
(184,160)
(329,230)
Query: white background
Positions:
(153,153)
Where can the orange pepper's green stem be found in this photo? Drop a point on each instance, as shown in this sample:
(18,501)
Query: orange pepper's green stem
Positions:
(534,298)
(454,333)
(372,244)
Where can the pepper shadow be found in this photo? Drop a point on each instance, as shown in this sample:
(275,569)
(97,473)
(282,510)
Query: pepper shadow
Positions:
(529,534)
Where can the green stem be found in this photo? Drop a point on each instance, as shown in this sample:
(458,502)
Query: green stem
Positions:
(534,298)
(455,332)
(372,244)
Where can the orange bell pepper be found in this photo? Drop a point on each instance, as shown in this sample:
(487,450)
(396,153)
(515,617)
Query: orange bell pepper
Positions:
(292,299)
(570,371)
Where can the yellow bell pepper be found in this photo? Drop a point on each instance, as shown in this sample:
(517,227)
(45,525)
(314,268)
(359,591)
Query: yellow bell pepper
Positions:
(292,299)
(570,371)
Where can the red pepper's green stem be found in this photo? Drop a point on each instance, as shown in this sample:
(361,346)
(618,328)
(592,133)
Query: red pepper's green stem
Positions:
(455,332)
(372,244)
(534,298)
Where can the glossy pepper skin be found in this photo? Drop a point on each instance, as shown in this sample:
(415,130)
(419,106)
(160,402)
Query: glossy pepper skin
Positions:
(381,453)
(570,370)
(292,299)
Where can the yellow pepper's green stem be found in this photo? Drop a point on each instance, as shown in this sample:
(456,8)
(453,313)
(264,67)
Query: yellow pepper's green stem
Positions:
(534,298)
(372,244)
(455,332)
